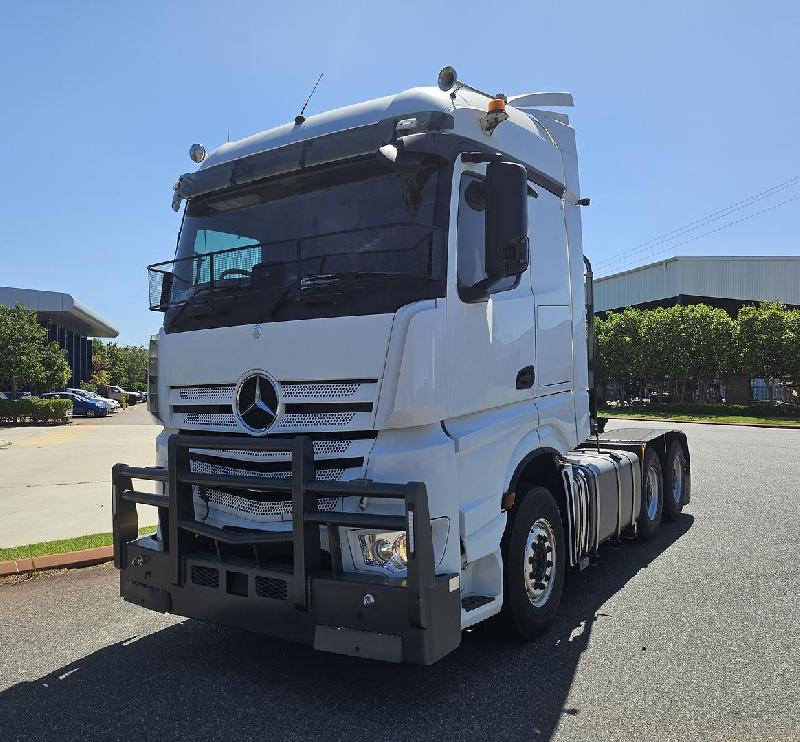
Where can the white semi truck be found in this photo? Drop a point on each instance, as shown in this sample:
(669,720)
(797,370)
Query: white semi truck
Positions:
(375,380)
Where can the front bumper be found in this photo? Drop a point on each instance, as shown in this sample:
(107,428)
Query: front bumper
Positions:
(415,619)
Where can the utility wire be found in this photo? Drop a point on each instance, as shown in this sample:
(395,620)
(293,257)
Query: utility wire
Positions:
(718,229)
(698,223)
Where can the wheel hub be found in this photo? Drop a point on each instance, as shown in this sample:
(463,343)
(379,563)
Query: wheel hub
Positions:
(540,562)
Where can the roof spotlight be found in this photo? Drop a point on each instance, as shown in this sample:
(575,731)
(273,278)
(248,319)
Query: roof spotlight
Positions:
(197,153)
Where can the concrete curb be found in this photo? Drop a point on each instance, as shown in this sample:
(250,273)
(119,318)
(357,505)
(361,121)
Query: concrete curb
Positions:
(701,422)
(67,560)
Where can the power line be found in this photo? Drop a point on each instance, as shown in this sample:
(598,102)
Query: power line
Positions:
(699,223)
(719,229)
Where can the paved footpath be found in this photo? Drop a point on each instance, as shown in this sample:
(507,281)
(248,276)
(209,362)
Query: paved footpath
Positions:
(55,481)
(693,636)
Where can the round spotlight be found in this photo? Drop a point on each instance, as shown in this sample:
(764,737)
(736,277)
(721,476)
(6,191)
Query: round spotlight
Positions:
(447,78)
(197,153)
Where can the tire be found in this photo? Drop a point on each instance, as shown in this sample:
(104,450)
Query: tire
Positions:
(88,413)
(652,496)
(532,579)
(674,481)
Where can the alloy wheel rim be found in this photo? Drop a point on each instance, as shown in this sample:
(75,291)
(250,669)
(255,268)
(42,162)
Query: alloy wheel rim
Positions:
(677,479)
(652,493)
(539,566)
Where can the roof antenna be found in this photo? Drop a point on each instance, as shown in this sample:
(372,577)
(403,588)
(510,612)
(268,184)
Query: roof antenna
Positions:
(229,133)
(299,119)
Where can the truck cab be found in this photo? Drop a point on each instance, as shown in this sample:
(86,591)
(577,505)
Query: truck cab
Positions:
(373,362)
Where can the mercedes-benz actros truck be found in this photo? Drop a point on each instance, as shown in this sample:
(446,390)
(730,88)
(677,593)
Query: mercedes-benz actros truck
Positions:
(375,383)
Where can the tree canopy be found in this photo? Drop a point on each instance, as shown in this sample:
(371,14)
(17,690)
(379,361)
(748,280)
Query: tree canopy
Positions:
(686,348)
(124,365)
(27,357)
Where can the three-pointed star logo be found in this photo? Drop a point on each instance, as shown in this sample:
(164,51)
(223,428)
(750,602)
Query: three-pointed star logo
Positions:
(256,404)
(259,403)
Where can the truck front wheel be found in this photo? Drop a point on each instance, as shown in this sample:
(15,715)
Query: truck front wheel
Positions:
(534,556)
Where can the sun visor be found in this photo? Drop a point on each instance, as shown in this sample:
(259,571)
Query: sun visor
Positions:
(341,145)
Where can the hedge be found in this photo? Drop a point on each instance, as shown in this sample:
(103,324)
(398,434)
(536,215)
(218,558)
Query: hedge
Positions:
(35,410)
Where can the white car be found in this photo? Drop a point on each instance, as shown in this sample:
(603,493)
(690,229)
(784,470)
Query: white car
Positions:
(112,404)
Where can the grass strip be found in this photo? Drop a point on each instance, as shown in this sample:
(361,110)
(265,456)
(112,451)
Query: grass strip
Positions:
(31,551)
(683,417)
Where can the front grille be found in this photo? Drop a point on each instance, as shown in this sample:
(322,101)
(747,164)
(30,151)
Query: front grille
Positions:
(209,418)
(318,391)
(206,393)
(205,576)
(256,510)
(321,448)
(316,421)
(271,587)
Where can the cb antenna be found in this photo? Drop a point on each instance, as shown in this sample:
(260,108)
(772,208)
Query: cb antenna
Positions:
(299,119)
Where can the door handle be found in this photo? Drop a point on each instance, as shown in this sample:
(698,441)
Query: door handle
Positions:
(526,377)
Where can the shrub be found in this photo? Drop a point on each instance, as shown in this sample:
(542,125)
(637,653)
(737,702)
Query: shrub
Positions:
(88,386)
(35,410)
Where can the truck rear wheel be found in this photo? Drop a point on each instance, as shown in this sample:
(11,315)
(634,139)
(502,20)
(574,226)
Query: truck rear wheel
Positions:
(674,481)
(534,558)
(652,495)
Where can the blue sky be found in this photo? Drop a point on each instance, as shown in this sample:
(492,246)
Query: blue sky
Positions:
(682,109)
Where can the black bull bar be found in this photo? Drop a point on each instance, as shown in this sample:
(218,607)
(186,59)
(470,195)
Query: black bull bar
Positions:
(415,619)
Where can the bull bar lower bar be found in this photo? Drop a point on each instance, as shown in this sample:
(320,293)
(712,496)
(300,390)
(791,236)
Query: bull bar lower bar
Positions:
(415,619)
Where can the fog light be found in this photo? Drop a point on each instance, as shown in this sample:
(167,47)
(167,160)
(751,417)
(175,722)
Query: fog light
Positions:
(387,550)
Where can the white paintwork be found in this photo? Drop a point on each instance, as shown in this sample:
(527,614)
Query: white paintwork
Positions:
(446,406)
(534,100)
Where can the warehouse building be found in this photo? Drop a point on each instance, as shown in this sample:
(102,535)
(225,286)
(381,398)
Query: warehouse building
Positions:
(68,322)
(726,282)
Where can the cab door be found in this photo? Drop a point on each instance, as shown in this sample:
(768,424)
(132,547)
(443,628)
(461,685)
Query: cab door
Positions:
(491,341)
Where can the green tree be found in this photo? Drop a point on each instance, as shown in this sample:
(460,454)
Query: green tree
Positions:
(26,356)
(766,342)
(54,371)
(619,358)
(124,365)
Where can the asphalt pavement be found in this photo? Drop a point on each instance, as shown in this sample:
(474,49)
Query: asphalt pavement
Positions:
(693,636)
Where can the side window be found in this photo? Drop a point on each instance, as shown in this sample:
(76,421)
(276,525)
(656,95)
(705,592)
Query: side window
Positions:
(471,235)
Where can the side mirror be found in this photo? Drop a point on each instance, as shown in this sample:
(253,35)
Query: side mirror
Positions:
(506,188)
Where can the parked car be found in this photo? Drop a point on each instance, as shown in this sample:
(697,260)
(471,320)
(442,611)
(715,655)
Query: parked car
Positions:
(116,392)
(14,395)
(81,405)
(112,404)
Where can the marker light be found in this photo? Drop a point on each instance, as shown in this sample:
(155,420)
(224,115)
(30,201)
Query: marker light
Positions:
(497,104)
(197,153)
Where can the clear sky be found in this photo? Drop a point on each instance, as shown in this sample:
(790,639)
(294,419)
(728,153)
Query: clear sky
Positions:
(682,109)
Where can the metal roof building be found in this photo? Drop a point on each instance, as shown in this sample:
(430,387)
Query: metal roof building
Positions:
(68,322)
(728,282)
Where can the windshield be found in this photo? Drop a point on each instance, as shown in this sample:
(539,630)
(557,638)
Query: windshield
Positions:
(366,240)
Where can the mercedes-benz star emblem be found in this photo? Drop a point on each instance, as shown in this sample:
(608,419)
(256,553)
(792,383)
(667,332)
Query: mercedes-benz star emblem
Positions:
(256,405)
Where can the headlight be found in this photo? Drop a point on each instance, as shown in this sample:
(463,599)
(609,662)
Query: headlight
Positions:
(387,550)
(386,553)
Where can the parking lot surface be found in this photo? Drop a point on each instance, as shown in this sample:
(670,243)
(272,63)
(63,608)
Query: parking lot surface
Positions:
(55,480)
(693,636)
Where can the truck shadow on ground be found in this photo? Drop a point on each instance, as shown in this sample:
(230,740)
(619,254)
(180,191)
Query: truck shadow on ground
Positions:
(197,681)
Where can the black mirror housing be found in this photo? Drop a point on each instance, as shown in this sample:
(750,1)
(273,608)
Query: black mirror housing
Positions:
(506,187)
